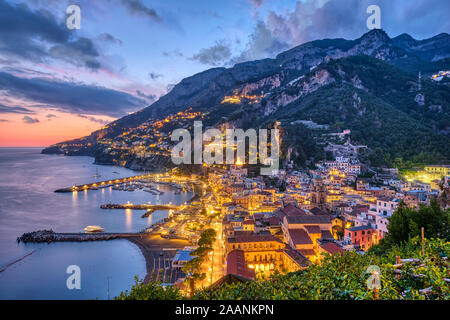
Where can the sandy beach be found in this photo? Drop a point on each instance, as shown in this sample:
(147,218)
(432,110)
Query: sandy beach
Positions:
(158,253)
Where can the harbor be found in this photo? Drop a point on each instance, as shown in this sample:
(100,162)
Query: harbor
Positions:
(157,252)
(70,213)
(145,182)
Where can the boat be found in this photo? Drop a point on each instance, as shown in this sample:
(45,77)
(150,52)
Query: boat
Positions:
(96,175)
(93,229)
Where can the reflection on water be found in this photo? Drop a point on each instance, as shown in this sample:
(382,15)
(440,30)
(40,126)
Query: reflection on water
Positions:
(129,218)
(28,203)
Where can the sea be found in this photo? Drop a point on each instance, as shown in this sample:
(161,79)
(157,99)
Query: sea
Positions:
(28,203)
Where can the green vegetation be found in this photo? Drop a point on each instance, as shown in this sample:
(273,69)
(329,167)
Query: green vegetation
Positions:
(150,291)
(382,115)
(193,268)
(345,276)
(406,223)
(341,277)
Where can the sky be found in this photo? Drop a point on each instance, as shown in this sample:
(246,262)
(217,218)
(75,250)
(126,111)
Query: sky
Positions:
(58,84)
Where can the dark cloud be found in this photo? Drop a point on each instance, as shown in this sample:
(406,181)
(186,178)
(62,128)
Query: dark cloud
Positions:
(69,96)
(154,75)
(320,19)
(4,120)
(14,109)
(149,98)
(215,55)
(106,37)
(38,36)
(256,3)
(92,119)
(175,53)
(138,8)
(261,44)
(81,52)
(30,120)
(311,20)
(170,86)
(50,116)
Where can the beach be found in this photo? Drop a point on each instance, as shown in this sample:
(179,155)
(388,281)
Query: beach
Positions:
(158,254)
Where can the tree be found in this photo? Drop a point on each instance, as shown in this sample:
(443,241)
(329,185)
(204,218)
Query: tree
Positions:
(407,223)
(193,267)
(150,291)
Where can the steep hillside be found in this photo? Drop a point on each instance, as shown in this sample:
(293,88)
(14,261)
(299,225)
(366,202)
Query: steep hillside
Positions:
(369,85)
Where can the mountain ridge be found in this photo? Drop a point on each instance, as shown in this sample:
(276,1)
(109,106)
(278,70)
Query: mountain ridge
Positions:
(281,76)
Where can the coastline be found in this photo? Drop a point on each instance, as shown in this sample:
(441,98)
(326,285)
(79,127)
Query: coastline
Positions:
(158,253)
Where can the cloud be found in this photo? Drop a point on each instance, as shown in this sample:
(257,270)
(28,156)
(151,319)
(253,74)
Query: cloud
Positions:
(149,98)
(106,37)
(175,53)
(320,19)
(30,120)
(9,109)
(50,116)
(90,118)
(256,3)
(138,8)
(70,96)
(4,120)
(215,55)
(37,36)
(81,52)
(261,44)
(170,86)
(154,75)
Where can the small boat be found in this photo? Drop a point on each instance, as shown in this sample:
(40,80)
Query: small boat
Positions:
(93,229)
(96,175)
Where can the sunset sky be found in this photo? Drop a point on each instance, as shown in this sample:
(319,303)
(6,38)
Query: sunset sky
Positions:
(57,84)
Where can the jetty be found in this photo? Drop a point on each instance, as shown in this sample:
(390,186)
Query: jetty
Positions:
(154,178)
(105,184)
(51,236)
(152,207)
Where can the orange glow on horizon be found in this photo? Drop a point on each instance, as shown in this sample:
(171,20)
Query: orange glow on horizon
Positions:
(14,132)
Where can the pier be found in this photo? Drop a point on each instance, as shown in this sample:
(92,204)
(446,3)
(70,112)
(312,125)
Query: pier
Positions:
(105,184)
(152,207)
(154,178)
(51,236)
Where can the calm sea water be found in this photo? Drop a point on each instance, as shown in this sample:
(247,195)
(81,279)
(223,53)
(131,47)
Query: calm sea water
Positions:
(28,203)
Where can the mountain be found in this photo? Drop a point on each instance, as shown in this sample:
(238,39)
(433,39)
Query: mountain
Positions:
(369,85)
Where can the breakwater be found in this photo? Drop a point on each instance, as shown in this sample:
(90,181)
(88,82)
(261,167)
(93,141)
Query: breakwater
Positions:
(51,236)
(141,206)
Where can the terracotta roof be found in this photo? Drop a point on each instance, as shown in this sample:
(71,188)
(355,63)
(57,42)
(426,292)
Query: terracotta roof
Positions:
(253,238)
(327,235)
(307,252)
(318,212)
(274,221)
(249,222)
(295,255)
(332,247)
(236,265)
(360,228)
(299,236)
(312,229)
(242,233)
(309,219)
(290,211)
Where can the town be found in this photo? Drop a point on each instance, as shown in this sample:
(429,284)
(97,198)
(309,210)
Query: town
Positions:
(266,225)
